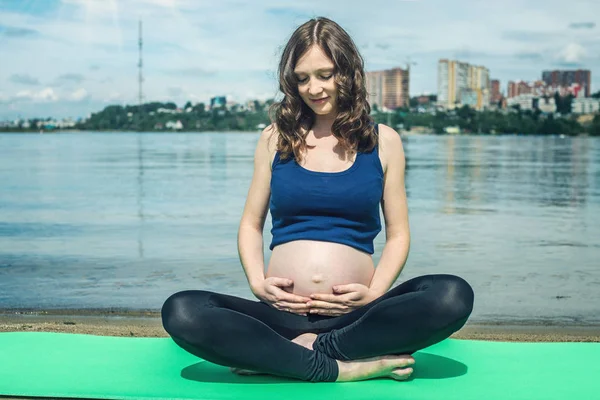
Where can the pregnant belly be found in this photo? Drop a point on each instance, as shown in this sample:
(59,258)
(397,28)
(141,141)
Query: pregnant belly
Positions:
(315,267)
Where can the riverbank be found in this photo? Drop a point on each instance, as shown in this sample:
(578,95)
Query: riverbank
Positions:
(415,131)
(148,324)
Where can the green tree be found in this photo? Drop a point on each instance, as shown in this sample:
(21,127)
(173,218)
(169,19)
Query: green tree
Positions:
(466,118)
(198,109)
(568,103)
(563,104)
(594,128)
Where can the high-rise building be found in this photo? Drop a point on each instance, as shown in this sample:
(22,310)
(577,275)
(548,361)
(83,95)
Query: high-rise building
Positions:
(511,89)
(479,82)
(389,88)
(495,95)
(374,83)
(539,88)
(452,80)
(518,88)
(396,88)
(443,84)
(566,78)
(479,78)
(460,83)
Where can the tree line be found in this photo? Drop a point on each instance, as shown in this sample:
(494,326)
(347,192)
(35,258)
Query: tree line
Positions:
(157,116)
(468,120)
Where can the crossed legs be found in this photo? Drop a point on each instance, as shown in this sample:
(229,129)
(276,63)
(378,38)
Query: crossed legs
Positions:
(247,334)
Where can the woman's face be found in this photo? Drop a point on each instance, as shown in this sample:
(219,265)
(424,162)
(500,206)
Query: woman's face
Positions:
(315,81)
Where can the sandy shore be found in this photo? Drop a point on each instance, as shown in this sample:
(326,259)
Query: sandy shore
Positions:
(148,324)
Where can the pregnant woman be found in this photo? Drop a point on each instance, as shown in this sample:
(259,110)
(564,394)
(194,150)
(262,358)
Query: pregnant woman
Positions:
(323,169)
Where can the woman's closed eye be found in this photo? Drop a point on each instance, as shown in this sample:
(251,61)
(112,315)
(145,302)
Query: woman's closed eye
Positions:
(324,78)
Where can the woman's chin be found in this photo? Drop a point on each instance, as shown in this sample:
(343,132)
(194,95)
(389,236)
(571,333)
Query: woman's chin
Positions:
(322,113)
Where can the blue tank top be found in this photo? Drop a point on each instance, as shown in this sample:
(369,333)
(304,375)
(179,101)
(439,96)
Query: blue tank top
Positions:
(340,207)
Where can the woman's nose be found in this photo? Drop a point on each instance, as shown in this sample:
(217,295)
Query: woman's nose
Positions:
(314,89)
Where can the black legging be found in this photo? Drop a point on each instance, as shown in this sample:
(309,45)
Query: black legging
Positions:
(241,333)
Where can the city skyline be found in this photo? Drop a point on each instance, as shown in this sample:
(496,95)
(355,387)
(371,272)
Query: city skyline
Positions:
(67,58)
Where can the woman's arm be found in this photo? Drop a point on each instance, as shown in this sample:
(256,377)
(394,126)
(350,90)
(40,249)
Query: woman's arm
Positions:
(395,211)
(250,233)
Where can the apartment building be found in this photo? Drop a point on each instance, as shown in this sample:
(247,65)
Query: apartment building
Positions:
(460,83)
(389,88)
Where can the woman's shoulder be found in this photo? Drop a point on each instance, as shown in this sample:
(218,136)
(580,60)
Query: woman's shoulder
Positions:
(386,133)
(390,144)
(269,138)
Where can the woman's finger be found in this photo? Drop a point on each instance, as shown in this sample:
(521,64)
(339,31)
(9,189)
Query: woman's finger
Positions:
(332,298)
(349,288)
(293,298)
(354,296)
(326,305)
(282,295)
(326,311)
(280,282)
(292,306)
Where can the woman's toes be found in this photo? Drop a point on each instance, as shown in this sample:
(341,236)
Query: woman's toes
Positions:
(401,361)
(401,374)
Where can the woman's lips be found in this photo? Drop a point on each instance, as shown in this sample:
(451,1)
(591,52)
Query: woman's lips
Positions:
(319,101)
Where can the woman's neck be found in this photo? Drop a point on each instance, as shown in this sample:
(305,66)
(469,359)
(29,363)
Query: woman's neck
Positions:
(322,125)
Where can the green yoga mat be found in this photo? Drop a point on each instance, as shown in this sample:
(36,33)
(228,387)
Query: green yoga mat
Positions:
(86,366)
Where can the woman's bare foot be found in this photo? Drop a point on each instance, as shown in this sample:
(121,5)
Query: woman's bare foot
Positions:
(306,340)
(395,367)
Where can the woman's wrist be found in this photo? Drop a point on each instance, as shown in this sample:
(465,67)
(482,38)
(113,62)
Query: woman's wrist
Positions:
(256,285)
(375,293)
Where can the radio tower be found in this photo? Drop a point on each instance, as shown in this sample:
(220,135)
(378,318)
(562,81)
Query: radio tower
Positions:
(140,76)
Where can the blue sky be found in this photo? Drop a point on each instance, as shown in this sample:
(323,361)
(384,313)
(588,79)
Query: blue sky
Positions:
(72,57)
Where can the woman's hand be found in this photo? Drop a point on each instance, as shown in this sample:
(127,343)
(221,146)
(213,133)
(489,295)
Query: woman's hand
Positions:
(271,292)
(345,298)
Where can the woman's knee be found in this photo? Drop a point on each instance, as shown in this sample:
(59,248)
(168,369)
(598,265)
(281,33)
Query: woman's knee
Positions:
(456,296)
(182,310)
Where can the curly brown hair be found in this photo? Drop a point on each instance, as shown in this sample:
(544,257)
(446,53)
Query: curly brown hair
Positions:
(353,126)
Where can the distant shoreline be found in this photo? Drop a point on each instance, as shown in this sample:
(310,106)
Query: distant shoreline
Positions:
(149,324)
(256,132)
(115,131)
(126,313)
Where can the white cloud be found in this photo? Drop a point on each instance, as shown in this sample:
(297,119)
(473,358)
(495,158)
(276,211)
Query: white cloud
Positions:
(79,94)
(113,97)
(572,53)
(232,48)
(44,95)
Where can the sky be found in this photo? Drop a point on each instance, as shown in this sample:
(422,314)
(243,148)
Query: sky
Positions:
(68,58)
